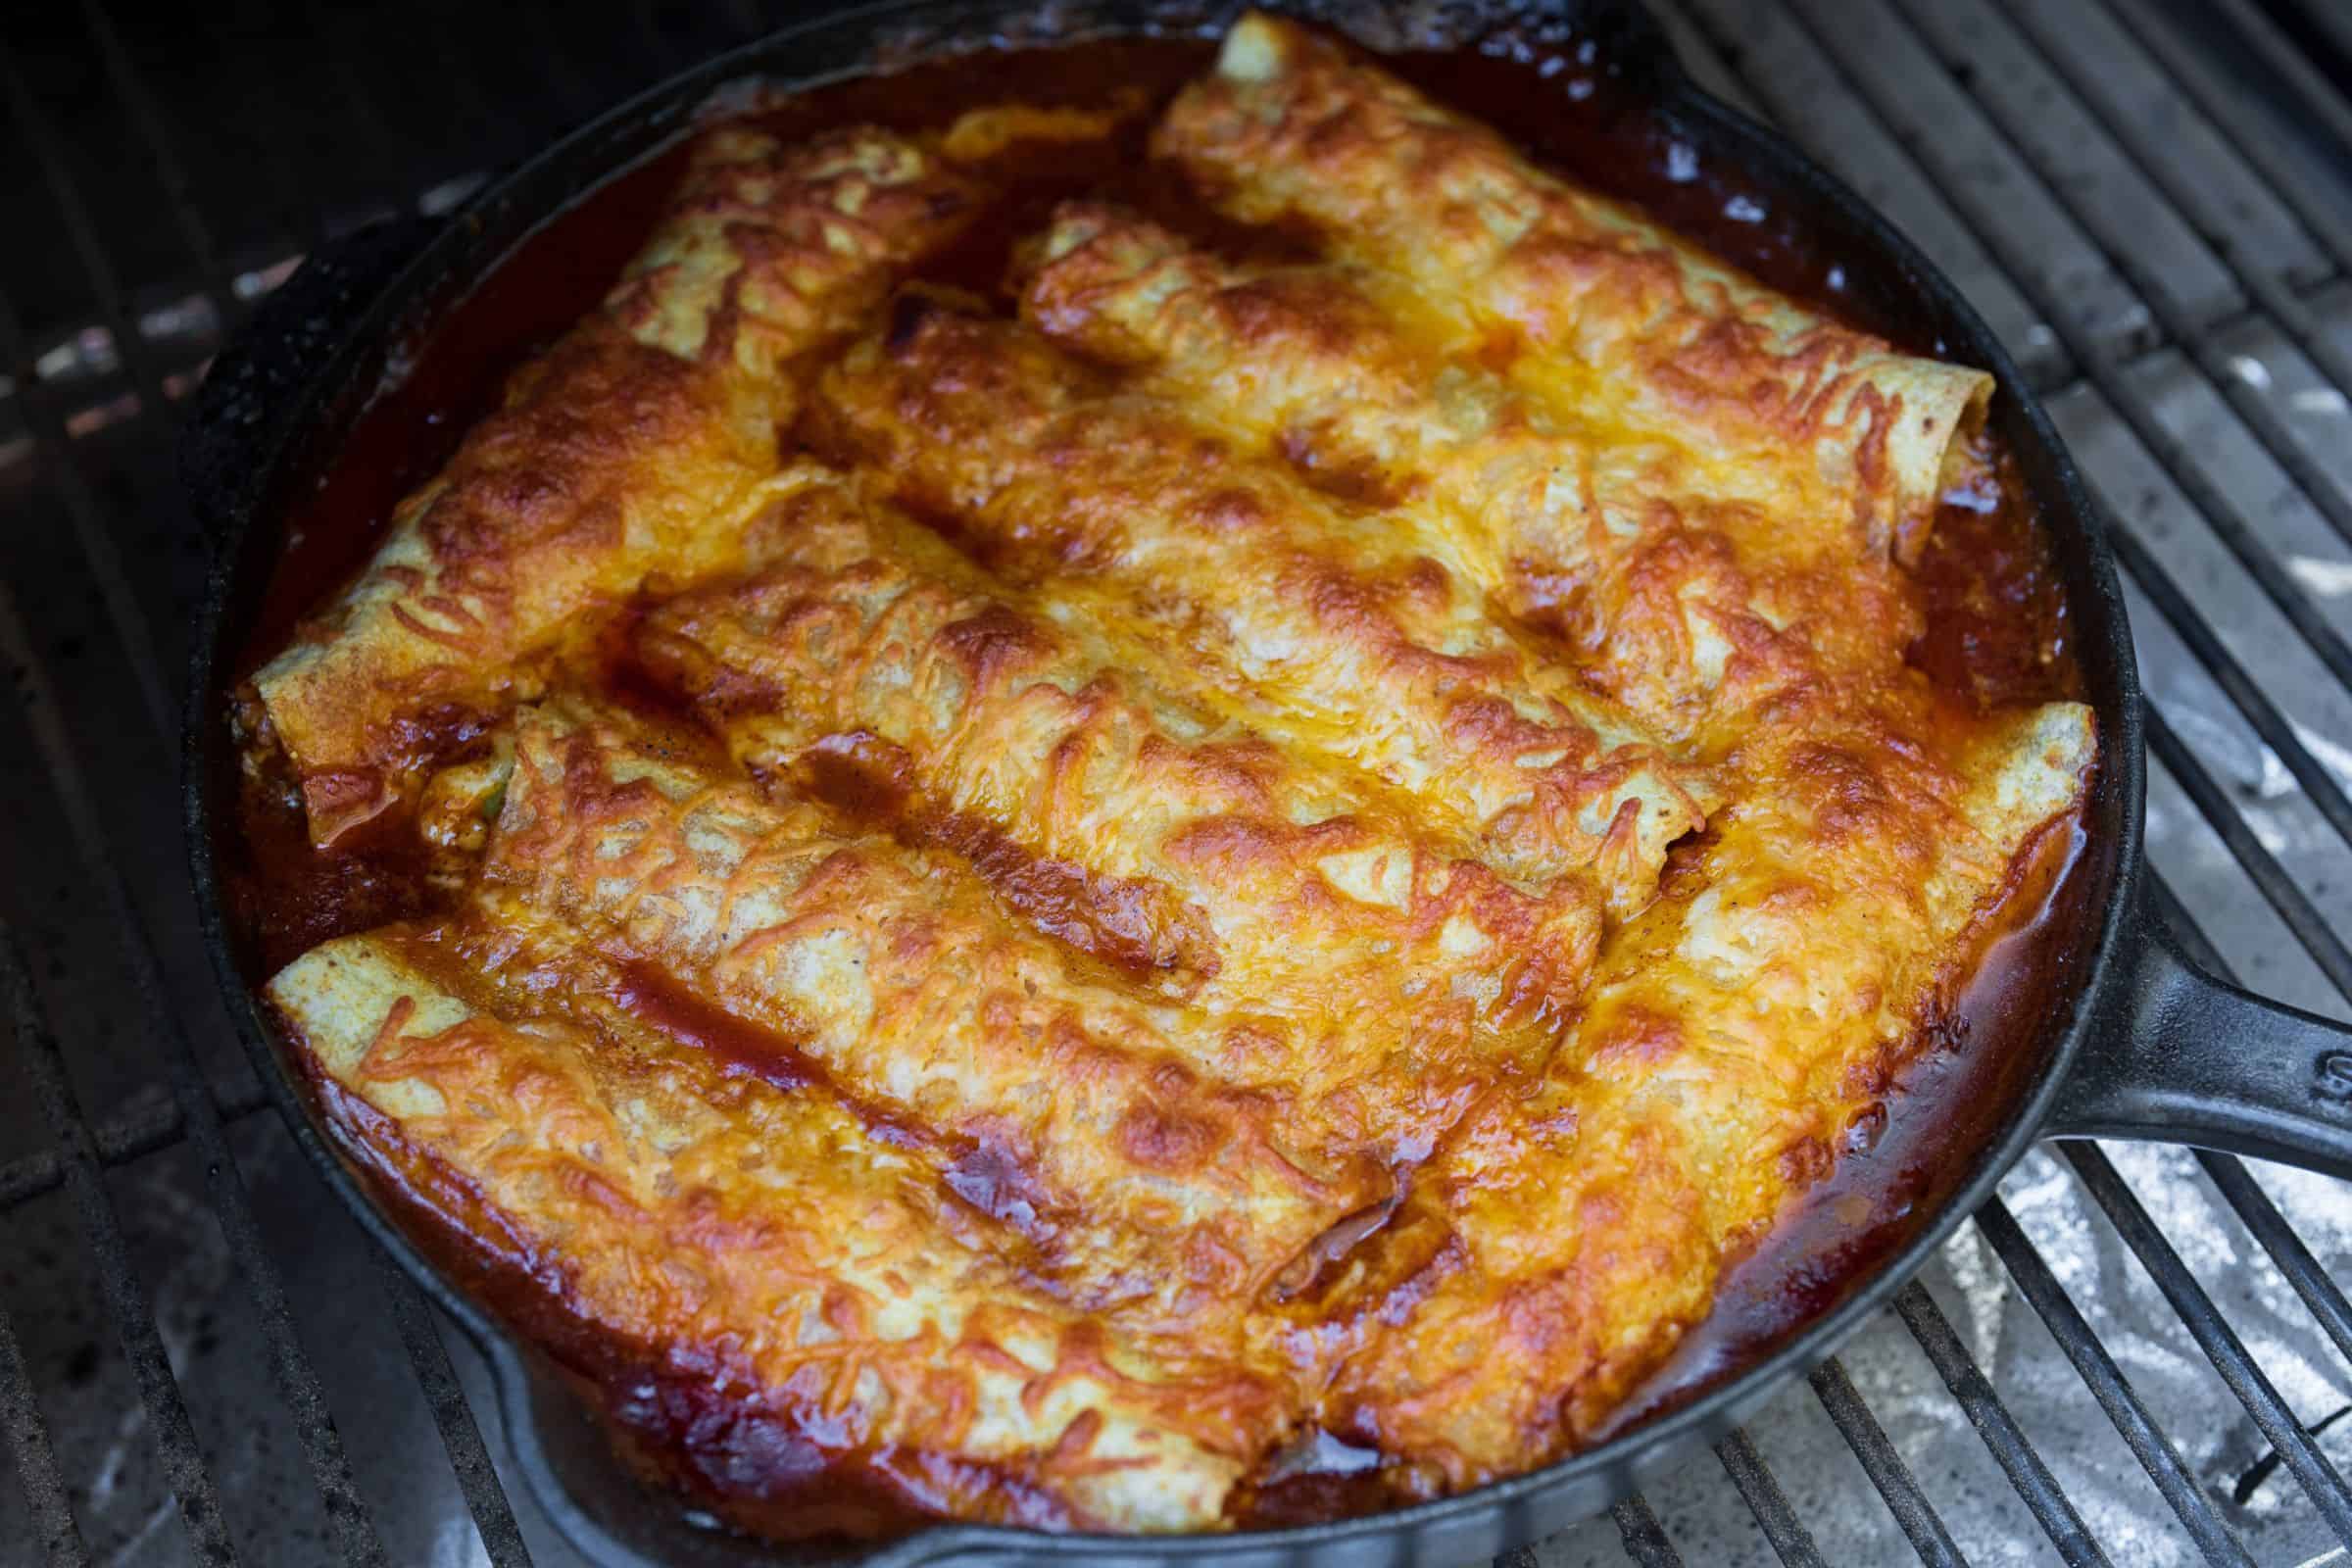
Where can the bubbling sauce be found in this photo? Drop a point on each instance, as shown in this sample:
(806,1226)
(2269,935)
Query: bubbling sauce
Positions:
(1996,634)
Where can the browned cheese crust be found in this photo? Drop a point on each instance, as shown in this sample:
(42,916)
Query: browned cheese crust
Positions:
(1327,628)
(788,1310)
(1044,897)
(1336,950)
(1687,591)
(1593,305)
(632,447)
(888,971)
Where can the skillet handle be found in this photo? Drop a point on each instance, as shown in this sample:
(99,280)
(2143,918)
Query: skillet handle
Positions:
(240,414)
(2183,1057)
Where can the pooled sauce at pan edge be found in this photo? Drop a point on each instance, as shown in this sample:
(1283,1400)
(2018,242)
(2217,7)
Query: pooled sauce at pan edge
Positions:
(1996,633)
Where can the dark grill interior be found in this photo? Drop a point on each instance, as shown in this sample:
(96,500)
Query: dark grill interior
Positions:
(202,1359)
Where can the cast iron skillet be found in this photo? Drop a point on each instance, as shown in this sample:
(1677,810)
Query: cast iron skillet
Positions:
(2130,1041)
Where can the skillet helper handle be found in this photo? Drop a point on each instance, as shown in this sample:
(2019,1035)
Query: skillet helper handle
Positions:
(241,412)
(2183,1057)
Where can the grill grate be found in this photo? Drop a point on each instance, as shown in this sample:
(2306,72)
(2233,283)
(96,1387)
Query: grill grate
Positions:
(2148,205)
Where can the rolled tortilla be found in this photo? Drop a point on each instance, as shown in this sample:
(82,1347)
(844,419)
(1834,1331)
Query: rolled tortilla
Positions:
(1096,1125)
(636,445)
(1598,309)
(1677,590)
(1560,1246)
(1347,957)
(1329,630)
(723,1238)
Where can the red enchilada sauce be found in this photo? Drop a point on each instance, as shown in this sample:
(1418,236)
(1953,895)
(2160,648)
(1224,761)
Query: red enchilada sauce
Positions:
(1996,634)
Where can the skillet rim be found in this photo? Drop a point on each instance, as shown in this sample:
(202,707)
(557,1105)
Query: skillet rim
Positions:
(399,313)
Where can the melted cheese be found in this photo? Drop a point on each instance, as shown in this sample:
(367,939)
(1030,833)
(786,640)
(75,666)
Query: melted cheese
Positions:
(1562,1243)
(1335,949)
(636,444)
(1143,925)
(889,970)
(697,1213)
(1671,566)
(1458,229)
(1331,632)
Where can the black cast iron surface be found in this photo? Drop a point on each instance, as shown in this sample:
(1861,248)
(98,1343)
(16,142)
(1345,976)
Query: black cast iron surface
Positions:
(130,1131)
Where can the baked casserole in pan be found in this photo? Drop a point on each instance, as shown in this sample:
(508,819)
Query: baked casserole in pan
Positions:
(1053,852)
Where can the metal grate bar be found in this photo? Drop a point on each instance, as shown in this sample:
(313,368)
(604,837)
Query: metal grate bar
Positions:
(2281,55)
(2004,1438)
(477,1477)
(118,1276)
(2214,1336)
(89,255)
(97,543)
(2302,1271)
(148,114)
(1790,1540)
(1921,1524)
(2326,224)
(2254,1208)
(349,1520)
(2294,907)
(2104,371)
(2266,288)
(2108,1384)
(2245,694)
(28,1437)
(1643,1536)
(131,348)
(2238,1189)
(297,1382)
(124,1137)
(2260,417)
(2331,25)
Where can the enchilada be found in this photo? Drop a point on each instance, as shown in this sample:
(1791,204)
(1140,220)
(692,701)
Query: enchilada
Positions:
(1142,797)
